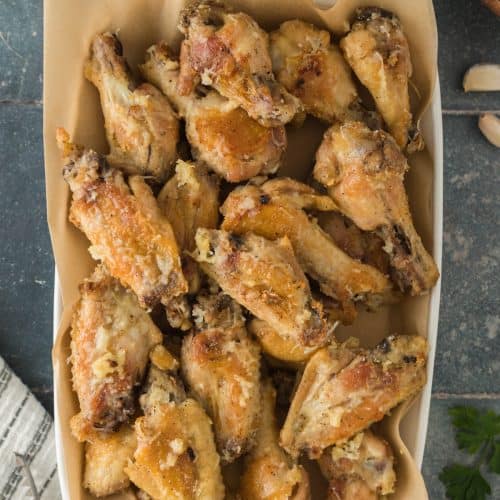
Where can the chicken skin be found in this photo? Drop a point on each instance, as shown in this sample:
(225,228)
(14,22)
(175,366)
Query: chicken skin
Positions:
(141,127)
(343,391)
(274,210)
(175,455)
(377,50)
(313,69)
(111,336)
(230,52)
(125,227)
(106,456)
(221,366)
(264,277)
(269,473)
(363,171)
(361,468)
(221,134)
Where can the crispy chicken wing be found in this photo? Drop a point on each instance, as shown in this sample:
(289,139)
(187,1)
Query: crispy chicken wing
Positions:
(264,277)
(175,455)
(363,171)
(274,210)
(127,231)
(141,127)
(377,50)
(230,52)
(111,336)
(269,473)
(106,456)
(314,70)
(343,391)
(361,468)
(221,365)
(221,134)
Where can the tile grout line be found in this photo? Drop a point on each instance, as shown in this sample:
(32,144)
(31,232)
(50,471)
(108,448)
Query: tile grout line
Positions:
(475,395)
(469,112)
(14,102)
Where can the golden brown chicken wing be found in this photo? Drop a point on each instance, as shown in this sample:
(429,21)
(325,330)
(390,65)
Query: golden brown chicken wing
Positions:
(343,391)
(141,127)
(377,50)
(314,70)
(106,456)
(175,455)
(361,468)
(269,473)
(274,210)
(264,277)
(221,134)
(126,229)
(221,366)
(363,171)
(230,52)
(111,336)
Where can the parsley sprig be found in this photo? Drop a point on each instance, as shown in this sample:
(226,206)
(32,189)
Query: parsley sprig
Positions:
(478,433)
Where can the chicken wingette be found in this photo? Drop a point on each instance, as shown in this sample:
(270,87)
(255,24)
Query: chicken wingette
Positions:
(344,390)
(221,134)
(230,52)
(221,365)
(141,126)
(123,222)
(363,171)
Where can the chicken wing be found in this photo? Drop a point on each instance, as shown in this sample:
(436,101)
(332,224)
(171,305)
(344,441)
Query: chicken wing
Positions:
(377,50)
(221,366)
(264,277)
(126,229)
(343,391)
(361,468)
(269,473)
(106,456)
(230,52)
(274,210)
(363,171)
(222,135)
(141,127)
(111,336)
(313,69)
(175,455)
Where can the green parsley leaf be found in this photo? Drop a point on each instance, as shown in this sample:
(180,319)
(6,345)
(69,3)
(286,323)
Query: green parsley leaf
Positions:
(473,428)
(494,461)
(464,483)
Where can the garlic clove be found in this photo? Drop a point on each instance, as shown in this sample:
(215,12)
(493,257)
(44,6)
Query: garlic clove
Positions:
(482,77)
(490,127)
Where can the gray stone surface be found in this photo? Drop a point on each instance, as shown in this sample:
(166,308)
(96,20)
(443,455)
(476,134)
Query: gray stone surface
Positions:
(21,45)
(441,449)
(468,34)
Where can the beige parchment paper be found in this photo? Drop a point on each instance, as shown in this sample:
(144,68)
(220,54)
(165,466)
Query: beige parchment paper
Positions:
(72,102)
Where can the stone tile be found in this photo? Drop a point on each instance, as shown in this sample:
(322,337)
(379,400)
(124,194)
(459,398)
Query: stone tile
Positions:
(441,448)
(21,41)
(468,34)
(469,327)
(26,265)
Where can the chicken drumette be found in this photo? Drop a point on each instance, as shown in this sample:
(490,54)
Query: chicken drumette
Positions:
(111,336)
(221,365)
(363,171)
(275,209)
(361,468)
(126,229)
(377,50)
(265,277)
(175,455)
(269,473)
(230,52)
(220,133)
(344,390)
(141,127)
